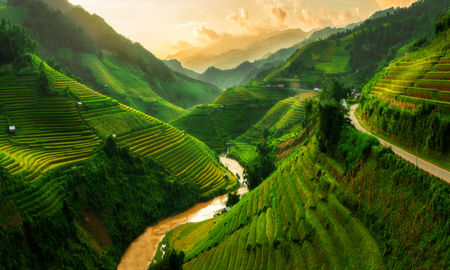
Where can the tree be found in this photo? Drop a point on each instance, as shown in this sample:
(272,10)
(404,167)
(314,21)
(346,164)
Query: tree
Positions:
(443,24)
(260,167)
(233,198)
(330,124)
(14,42)
(172,260)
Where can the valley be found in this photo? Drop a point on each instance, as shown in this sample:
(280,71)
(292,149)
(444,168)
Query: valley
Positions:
(141,252)
(320,149)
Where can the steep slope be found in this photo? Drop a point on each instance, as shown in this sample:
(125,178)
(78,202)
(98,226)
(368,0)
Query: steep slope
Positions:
(282,122)
(355,55)
(408,102)
(312,214)
(103,59)
(51,131)
(230,114)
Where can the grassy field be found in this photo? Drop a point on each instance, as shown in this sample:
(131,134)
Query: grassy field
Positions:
(230,115)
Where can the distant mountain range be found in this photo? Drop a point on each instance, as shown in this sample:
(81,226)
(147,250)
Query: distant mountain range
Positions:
(230,52)
(246,71)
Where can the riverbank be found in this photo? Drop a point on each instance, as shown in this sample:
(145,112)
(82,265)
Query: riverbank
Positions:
(141,252)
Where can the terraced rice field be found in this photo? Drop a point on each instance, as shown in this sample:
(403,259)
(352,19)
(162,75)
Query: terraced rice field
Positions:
(291,221)
(424,79)
(231,114)
(178,152)
(287,115)
(50,132)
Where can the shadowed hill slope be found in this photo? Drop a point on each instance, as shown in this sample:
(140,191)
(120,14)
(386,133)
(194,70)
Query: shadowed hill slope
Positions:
(230,114)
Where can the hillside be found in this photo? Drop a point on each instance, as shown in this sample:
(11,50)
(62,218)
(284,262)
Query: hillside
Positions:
(284,121)
(107,61)
(408,102)
(312,213)
(63,134)
(230,115)
(246,71)
(355,55)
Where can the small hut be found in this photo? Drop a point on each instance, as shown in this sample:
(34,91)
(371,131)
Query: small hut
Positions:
(79,104)
(12,130)
(114,136)
(184,131)
(225,176)
(357,95)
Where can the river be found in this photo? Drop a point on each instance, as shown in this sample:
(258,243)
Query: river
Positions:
(141,252)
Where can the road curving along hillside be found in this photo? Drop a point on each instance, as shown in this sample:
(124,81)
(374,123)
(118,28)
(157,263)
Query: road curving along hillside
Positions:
(422,164)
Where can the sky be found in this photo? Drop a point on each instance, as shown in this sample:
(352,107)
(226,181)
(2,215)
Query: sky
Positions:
(168,26)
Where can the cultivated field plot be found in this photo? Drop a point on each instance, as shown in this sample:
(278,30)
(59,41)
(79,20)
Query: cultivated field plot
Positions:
(424,79)
(291,221)
(49,131)
(178,152)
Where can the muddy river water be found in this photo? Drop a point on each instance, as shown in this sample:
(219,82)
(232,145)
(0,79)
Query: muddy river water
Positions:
(141,252)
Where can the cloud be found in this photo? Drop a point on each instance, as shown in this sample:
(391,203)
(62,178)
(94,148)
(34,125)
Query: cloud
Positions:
(191,24)
(394,3)
(240,17)
(181,45)
(323,17)
(279,13)
(206,34)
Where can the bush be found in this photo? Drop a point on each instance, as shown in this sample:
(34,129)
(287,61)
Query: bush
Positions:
(172,260)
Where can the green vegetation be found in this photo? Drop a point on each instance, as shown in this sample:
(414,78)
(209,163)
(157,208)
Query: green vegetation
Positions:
(261,166)
(75,167)
(355,55)
(14,42)
(282,125)
(172,260)
(89,49)
(230,115)
(408,102)
(312,212)
(95,209)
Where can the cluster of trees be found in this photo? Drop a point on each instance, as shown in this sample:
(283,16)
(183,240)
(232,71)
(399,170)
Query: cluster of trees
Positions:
(331,115)
(172,260)
(14,42)
(261,166)
(443,24)
(113,186)
(424,128)
(53,30)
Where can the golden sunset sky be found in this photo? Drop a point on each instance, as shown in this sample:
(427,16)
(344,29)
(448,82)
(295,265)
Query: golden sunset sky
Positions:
(167,26)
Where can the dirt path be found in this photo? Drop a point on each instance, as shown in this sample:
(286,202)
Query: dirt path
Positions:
(422,164)
(140,253)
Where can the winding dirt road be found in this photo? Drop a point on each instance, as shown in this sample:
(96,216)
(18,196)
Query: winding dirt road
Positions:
(422,164)
(141,252)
